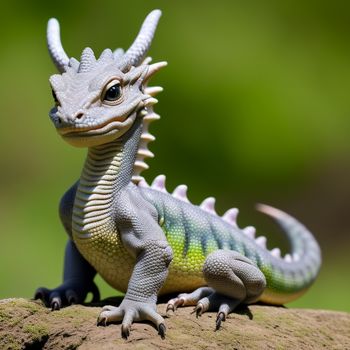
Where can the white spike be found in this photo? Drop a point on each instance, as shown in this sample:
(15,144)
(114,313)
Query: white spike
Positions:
(144,152)
(276,252)
(209,205)
(231,216)
(140,164)
(153,68)
(151,117)
(143,112)
(261,241)
(147,137)
(159,183)
(250,231)
(296,257)
(288,258)
(153,90)
(143,183)
(150,102)
(136,178)
(180,192)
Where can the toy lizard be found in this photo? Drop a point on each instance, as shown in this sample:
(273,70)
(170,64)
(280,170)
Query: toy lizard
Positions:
(142,240)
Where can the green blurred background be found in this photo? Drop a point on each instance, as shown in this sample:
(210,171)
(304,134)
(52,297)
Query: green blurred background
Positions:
(255,109)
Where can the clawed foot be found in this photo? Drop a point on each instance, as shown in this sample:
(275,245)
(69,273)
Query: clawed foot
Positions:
(70,292)
(205,299)
(130,311)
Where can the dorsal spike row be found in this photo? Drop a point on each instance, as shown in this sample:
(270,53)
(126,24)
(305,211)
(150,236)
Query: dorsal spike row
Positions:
(276,252)
(261,241)
(231,216)
(159,183)
(180,192)
(250,231)
(208,205)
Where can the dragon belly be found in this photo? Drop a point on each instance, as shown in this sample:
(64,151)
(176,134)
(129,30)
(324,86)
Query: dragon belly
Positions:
(104,250)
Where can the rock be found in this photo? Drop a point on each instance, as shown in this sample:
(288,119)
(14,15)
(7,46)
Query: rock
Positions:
(27,324)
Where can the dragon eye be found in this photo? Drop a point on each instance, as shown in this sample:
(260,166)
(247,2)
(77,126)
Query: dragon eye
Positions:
(112,92)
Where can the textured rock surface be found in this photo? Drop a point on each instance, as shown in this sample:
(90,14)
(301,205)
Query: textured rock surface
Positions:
(26,324)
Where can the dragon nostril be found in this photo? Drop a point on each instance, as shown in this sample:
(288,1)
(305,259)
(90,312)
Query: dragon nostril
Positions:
(79,115)
(59,121)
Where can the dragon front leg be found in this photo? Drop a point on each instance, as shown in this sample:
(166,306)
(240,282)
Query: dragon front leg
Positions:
(144,239)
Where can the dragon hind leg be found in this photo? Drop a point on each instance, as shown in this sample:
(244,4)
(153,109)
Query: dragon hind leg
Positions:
(232,279)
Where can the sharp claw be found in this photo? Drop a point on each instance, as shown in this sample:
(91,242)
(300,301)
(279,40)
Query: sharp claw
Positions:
(125,332)
(179,302)
(162,330)
(198,310)
(55,305)
(170,307)
(220,318)
(101,321)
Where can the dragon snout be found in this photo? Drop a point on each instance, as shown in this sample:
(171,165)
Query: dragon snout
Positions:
(66,120)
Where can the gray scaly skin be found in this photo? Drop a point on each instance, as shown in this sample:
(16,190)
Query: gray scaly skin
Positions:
(139,238)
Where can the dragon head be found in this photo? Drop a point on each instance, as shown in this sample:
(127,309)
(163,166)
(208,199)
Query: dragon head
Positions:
(98,100)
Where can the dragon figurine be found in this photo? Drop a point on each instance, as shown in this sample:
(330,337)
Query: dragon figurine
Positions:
(141,239)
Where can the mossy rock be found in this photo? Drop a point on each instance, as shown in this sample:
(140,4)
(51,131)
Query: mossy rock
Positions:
(27,324)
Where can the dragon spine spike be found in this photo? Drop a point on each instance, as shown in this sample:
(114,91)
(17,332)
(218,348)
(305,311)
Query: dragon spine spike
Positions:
(143,183)
(261,241)
(57,53)
(288,258)
(159,183)
(147,137)
(145,152)
(149,118)
(150,101)
(231,216)
(180,192)
(154,68)
(153,90)
(137,51)
(276,252)
(209,205)
(141,165)
(250,231)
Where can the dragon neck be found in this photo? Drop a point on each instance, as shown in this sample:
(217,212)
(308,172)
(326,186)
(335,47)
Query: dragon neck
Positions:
(107,170)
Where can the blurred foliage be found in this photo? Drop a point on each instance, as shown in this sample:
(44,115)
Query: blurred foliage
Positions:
(255,109)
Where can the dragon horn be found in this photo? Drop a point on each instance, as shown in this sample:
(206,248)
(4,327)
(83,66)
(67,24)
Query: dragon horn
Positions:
(57,53)
(138,50)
